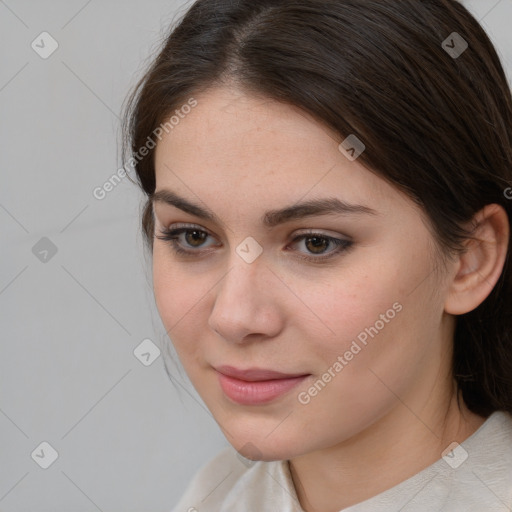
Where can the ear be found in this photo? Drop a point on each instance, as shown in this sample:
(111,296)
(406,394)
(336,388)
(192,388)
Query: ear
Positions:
(479,267)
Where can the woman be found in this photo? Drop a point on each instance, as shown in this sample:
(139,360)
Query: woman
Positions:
(328,213)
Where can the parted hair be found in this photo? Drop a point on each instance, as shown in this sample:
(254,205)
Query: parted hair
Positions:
(435,118)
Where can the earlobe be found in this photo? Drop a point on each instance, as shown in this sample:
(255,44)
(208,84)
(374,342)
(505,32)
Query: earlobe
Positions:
(479,267)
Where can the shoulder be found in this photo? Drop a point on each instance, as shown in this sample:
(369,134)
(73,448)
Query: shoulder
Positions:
(479,474)
(229,482)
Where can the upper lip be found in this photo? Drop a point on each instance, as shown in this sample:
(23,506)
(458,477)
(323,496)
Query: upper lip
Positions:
(255,374)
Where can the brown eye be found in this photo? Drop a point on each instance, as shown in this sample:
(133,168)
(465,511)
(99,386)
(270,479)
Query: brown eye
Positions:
(316,244)
(195,237)
(185,241)
(317,247)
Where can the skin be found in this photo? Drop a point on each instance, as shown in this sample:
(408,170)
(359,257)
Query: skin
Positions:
(391,411)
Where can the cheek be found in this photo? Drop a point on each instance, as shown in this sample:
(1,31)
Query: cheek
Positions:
(384,321)
(178,296)
(353,303)
(374,310)
(165,284)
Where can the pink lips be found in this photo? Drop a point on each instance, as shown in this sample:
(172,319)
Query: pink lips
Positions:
(255,386)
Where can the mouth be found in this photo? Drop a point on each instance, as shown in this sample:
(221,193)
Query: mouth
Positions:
(256,386)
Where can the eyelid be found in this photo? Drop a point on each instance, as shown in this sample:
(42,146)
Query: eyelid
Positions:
(322,232)
(188,226)
(306,231)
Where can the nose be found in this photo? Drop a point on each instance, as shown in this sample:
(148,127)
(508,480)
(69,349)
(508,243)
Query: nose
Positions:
(246,306)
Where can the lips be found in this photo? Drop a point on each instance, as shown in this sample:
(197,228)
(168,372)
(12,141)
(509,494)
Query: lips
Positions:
(256,386)
(255,374)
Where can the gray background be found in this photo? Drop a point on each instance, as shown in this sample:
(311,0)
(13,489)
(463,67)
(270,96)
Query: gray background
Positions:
(127,438)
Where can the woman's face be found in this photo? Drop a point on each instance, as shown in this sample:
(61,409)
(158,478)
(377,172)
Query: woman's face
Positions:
(362,319)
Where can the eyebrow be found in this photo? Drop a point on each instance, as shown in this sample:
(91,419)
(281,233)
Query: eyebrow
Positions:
(271,218)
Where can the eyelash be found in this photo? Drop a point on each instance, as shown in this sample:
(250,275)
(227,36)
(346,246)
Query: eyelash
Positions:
(171,237)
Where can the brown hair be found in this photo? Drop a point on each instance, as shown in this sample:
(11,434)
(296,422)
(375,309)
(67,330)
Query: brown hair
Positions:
(436,125)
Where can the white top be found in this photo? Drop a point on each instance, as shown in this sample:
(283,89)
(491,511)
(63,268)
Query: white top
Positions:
(476,476)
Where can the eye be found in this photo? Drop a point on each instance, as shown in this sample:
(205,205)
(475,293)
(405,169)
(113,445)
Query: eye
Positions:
(183,240)
(317,244)
(189,240)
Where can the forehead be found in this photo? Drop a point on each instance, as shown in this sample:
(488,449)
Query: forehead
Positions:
(228,124)
(256,151)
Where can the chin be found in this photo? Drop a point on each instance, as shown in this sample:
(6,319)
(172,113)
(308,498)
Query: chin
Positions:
(261,448)
(261,453)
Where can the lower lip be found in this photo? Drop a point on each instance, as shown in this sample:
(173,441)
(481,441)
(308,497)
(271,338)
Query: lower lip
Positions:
(257,392)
